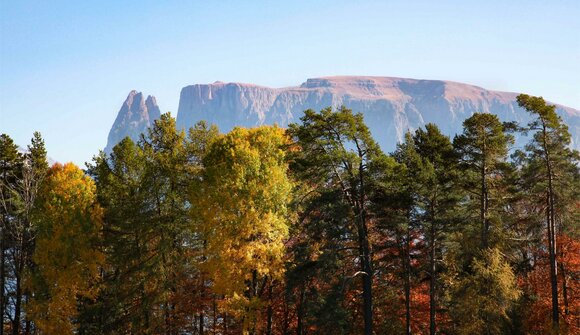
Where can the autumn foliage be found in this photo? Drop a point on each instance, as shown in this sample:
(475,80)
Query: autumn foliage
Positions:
(67,257)
(306,230)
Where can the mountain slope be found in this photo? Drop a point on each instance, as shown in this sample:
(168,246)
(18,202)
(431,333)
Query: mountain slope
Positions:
(391,106)
(135,116)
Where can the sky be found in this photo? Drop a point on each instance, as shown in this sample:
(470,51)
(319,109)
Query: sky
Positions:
(67,66)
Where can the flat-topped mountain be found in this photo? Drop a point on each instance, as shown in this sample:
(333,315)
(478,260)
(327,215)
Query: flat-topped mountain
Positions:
(391,106)
(135,116)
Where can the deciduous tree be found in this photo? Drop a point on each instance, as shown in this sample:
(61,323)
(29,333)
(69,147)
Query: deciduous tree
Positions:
(67,256)
(241,211)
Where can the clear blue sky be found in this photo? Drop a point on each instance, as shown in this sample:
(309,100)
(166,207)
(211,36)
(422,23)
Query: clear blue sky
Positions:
(67,66)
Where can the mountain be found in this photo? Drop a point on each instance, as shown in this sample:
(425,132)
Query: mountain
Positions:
(135,116)
(391,106)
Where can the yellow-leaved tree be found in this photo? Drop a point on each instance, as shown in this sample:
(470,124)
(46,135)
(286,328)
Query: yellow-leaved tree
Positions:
(240,206)
(66,259)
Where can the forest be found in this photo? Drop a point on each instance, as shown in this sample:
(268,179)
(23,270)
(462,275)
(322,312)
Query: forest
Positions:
(311,229)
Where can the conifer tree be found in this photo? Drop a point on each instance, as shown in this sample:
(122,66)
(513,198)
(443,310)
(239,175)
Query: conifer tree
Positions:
(438,199)
(552,172)
(25,191)
(482,150)
(406,214)
(143,188)
(337,154)
(10,170)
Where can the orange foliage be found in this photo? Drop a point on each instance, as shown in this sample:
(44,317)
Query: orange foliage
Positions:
(537,285)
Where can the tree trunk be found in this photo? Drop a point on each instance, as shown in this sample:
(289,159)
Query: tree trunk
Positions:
(270,312)
(432,302)
(551,220)
(201,322)
(145,310)
(27,322)
(553,271)
(484,206)
(215,314)
(367,281)
(408,281)
(225,323)
(285,326)
(366,263)
(254,294)
(167,319)
(300,312)
(2,274)
(565,289)
(18,272)
(18,302)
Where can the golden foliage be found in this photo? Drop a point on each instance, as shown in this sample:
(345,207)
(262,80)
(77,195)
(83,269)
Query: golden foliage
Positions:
(66,257)
(241,208)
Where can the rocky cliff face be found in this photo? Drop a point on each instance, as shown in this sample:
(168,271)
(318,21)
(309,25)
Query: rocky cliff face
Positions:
(135,116)
(391,106)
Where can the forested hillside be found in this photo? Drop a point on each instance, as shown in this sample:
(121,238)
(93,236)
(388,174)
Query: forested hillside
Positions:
(310,229)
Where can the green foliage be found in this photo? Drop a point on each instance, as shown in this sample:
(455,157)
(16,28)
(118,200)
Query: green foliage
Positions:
(551,178)
(143,188)
(340,165)
(550,145)
(22,176)
(312,230)
(482,150)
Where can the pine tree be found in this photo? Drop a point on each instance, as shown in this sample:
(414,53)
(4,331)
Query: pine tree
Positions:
(336,153)
(10,171)
(553,171)
(148,234)
(482,149)
(438,199)
(25,191)
(407,211)
(480,270)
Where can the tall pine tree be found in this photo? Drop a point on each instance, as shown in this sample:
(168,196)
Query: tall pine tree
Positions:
(553,173)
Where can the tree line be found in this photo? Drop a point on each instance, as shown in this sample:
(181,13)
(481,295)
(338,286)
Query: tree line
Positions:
(306,230)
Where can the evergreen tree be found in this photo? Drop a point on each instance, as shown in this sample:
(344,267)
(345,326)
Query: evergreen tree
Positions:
(552,173)
(406,212)
(337,154)
(22,230)
(482,149)
(438,199)
(10,172)
(149,240)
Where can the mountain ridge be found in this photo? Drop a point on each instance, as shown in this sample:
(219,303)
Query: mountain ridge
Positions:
(391,105)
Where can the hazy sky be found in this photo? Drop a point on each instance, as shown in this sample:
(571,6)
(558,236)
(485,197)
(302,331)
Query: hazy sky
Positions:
(67,66)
